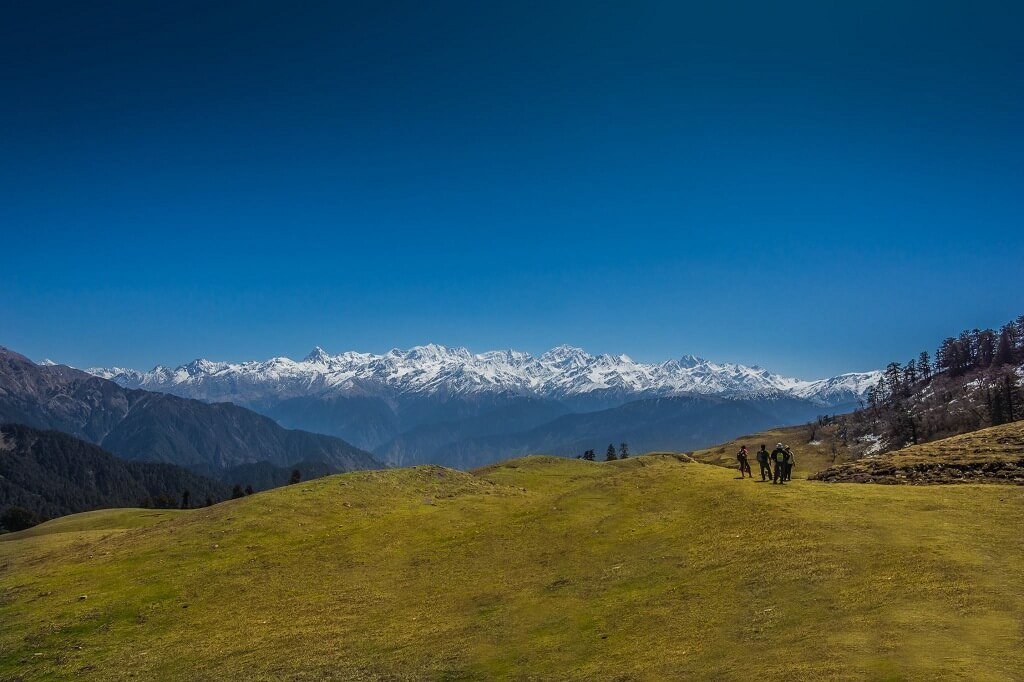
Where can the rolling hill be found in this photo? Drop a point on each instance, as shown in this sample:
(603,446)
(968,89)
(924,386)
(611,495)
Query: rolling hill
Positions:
(263,475)
(539,568)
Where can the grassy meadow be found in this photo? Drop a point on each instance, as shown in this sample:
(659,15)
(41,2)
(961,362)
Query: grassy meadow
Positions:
(538,568)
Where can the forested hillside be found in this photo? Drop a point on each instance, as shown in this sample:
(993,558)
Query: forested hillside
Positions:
(45,474)
(973,382)
(257,476)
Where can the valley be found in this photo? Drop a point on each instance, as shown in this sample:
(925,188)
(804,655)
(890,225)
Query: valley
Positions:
(448,406)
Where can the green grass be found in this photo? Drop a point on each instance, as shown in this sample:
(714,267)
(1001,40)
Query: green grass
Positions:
(540,568)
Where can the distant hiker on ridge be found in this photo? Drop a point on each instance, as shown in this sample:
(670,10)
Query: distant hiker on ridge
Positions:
(762,461)
(744,463)
(779,456)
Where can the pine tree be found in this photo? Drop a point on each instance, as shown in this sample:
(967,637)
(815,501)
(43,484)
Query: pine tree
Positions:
(912,425)
(924,365)
(1014,333)
(589,455)
(986,349)
(910,373)
(893,380)
(1004,351)
(249,490)
(1012,395)
(186,500)
(623,451)
(996,407)
(946,356)
(609,455)
(237,492)
(875,396)
(209,501)
(295,477)
(969,349)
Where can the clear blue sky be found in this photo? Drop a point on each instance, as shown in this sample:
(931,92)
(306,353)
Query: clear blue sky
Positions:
(809,187)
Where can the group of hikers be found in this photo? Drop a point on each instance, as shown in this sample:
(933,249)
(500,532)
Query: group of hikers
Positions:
(776,466)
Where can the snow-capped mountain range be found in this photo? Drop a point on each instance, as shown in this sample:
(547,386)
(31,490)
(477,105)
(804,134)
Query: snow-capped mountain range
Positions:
(441,405)
(562,373)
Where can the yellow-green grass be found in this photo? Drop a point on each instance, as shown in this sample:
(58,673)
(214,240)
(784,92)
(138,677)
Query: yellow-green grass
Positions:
(540,568)
(810,455)
(102,520)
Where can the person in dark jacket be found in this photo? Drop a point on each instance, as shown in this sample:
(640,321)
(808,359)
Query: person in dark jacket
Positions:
(741,456)
(779,458)
(762,461)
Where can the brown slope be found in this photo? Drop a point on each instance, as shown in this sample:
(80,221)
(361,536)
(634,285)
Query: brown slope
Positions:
(992,455)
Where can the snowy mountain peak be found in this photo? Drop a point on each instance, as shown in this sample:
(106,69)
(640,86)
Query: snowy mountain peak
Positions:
(200,366)
(565,354)
(317,356)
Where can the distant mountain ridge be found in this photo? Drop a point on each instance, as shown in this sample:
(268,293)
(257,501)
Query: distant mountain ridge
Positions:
(564,373)
(157,427)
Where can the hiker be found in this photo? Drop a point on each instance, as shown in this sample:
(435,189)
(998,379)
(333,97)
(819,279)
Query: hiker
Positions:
(744,464)
(779,456)
(790,461)
(762,461)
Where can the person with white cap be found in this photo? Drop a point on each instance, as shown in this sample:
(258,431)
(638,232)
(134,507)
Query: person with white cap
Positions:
(780,456)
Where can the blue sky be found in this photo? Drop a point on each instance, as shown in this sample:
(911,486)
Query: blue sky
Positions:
(815,189)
